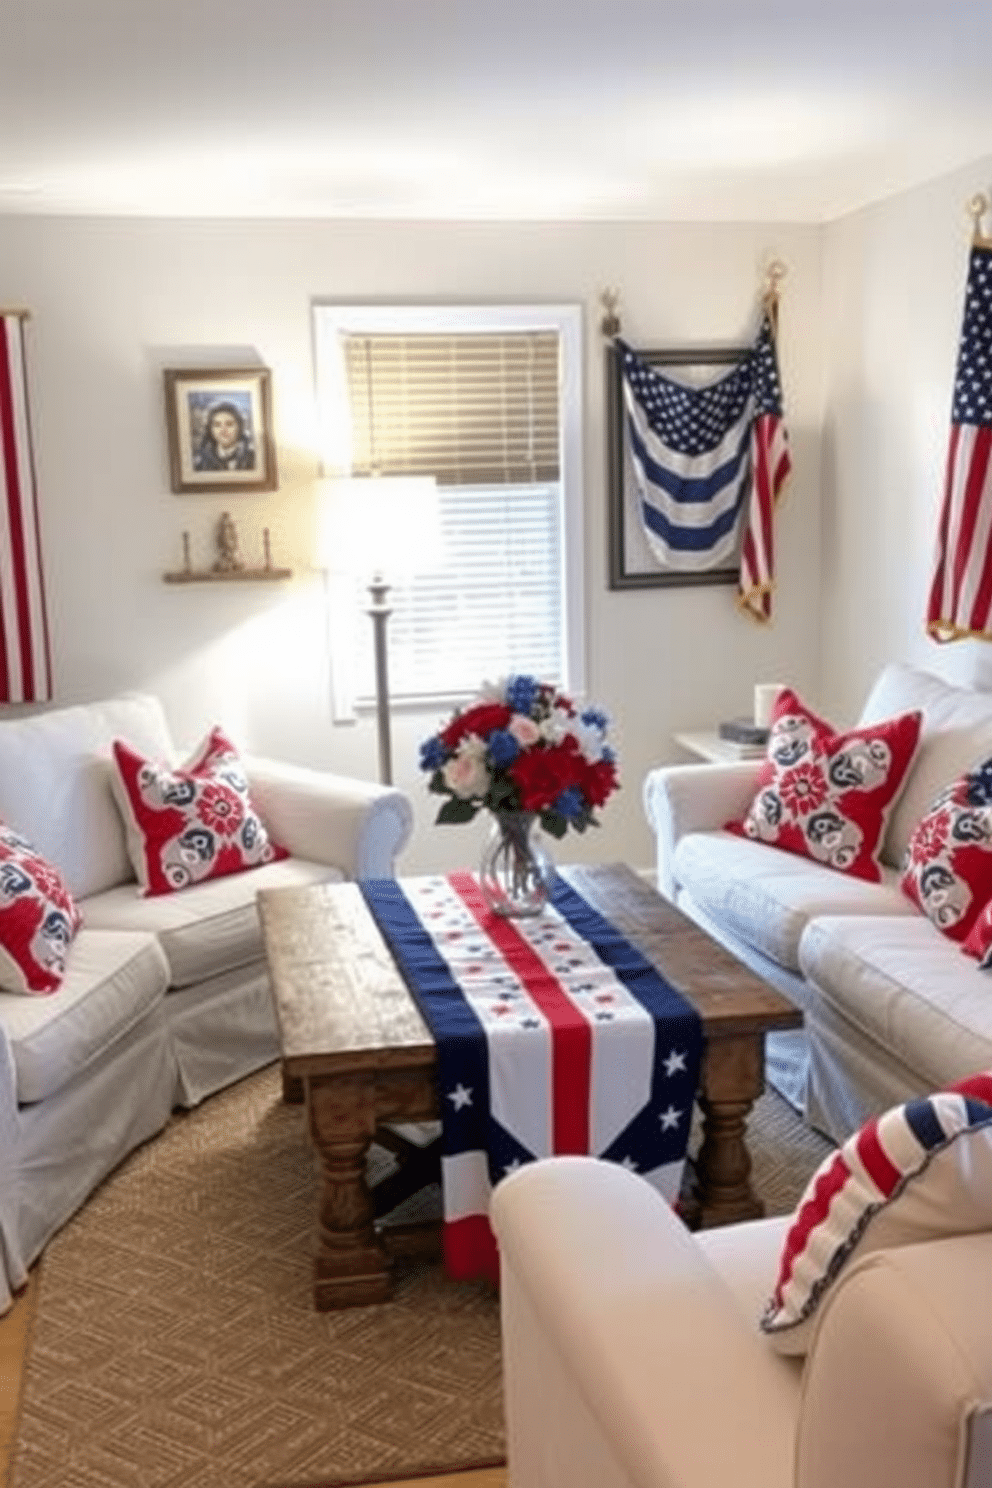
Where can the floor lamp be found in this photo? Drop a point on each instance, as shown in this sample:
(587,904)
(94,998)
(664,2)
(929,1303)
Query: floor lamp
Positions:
(380,529)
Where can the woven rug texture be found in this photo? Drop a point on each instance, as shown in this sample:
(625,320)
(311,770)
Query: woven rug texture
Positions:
(175,1344)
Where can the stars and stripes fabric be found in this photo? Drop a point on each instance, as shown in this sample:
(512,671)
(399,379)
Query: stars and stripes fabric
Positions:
(960,599)
(555,1036)
(920,1170)
(709,463)
(25,658)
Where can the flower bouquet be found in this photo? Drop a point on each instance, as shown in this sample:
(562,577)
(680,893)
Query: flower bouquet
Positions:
(525,752)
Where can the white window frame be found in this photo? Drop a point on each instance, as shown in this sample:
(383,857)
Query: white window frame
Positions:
(332,320)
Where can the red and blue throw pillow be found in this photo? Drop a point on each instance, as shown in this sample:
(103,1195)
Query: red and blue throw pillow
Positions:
(827,795)
(920,1171)
(38,918)
(947,869)
(188,825)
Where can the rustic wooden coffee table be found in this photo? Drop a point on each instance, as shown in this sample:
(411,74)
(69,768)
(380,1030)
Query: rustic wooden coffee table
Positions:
(352,1035)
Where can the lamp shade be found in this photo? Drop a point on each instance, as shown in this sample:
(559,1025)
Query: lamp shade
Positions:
(389,526)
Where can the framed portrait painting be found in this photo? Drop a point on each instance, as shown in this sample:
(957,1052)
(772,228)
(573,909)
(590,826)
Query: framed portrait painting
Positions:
(635,561)
(219,423)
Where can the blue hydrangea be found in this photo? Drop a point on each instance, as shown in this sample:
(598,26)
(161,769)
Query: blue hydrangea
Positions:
(521,693)
(596,718)
(432,754)
(502,748)
(570,803)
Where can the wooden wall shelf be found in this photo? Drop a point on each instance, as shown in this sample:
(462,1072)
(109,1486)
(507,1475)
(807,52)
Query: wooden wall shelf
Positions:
(229,576)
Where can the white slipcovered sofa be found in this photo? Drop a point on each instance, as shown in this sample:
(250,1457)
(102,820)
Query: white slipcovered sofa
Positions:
(165,999)
(892,1007)
(632,1357)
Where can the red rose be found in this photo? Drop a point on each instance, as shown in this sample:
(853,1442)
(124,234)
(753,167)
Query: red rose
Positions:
(541,775)
(481,720)
(599,781)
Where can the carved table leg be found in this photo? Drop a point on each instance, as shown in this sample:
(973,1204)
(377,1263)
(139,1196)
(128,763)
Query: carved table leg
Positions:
(732,1078)
(351,1267)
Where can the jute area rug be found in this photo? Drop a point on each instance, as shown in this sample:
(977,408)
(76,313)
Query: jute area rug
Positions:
(175,1344)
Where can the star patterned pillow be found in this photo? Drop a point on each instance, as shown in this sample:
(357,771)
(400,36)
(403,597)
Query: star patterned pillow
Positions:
(947,869)
(187,825)
(38,918)
(825,795)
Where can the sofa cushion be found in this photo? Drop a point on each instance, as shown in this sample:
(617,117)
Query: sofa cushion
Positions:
(921,1171)
(956,734)
(948,865)
(38,918)
(209,928)
(906,989)
(111,983)
(55,784)
(767,897)
(827,795)
(189,824)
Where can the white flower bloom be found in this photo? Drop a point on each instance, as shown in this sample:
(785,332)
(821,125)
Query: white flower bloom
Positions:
(591,740)
(465,775)
(556,726)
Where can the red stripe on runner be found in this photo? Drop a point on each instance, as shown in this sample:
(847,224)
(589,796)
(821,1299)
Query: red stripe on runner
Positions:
(571,1036)
(470,1249)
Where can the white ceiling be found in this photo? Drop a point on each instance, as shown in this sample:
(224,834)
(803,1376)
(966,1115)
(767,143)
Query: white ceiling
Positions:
(787,110)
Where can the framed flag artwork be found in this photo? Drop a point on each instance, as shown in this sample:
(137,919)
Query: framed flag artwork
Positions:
(645,484)
(697,456)
(219,424)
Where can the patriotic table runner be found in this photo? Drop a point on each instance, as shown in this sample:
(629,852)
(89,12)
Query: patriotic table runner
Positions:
(554,1035)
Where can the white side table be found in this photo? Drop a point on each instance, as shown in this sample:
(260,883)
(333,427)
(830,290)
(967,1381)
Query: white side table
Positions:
(706,744)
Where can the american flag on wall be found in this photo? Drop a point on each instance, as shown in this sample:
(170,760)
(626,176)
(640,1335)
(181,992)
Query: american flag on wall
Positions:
(554,1036)
(709,463)
(25,657)
(960,602)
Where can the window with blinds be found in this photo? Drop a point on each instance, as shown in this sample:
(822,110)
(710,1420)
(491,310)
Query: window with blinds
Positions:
(471,410)
(487,401)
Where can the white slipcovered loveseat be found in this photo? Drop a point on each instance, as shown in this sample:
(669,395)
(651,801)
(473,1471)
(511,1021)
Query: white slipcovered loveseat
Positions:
(893,1008)
(165,999)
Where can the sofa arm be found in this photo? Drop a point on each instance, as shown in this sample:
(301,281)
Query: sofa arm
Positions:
(679,799)
(898,1382)
(626,1358)
(351,824)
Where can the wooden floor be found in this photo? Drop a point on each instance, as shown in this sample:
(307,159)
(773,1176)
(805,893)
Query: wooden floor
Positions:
(14,1335)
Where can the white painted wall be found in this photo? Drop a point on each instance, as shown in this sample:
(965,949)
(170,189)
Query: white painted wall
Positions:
(894,277)
(115,301)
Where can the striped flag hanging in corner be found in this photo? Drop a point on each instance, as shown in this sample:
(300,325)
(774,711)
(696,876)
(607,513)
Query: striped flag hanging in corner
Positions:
(25,660)
(710,462)
(960,602)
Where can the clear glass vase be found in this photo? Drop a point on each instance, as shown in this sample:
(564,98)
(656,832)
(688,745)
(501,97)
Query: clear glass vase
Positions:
(516,873)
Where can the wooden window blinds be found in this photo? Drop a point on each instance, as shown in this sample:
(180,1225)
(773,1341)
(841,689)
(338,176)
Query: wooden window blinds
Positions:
(470,409)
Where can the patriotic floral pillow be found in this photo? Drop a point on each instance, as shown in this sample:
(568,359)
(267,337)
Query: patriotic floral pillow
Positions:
(827,796)
(921,1171)
(947,870)
(188,825)
(38,918)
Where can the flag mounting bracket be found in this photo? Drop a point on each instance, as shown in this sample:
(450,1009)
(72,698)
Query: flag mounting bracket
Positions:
(610,324)
(977,207)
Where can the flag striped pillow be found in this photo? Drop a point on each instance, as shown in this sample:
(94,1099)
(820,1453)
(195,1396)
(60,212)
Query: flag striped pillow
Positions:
(920,1171)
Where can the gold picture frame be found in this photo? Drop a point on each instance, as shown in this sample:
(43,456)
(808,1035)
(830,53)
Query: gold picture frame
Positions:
(219,424)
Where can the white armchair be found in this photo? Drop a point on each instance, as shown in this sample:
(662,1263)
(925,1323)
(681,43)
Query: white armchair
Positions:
(633,1357)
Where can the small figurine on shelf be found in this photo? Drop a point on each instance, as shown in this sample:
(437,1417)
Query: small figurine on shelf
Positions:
(228,558)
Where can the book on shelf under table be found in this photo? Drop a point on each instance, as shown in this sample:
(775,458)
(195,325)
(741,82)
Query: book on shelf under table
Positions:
(745,732)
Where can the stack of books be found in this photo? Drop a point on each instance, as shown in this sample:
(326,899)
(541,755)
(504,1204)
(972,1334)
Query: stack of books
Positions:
(747,738)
